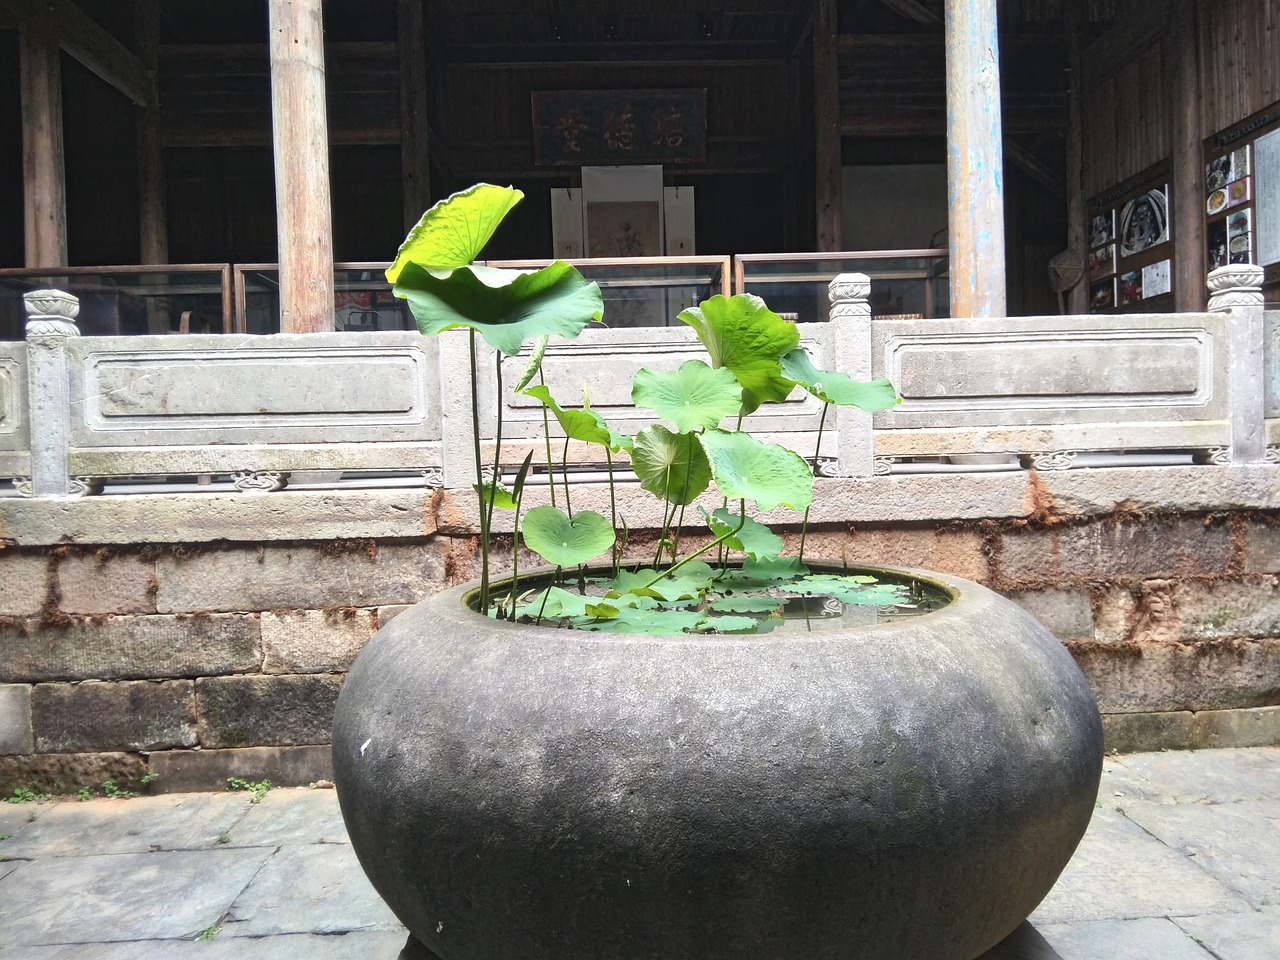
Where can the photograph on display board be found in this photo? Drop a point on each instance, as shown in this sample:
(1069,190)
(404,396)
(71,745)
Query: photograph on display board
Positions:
(1217,201)
(1156,279)
(1240,162)
(1240,236)
(1102,228)
(1102,294)
(1237,192)
(1102,262)
(1218,173)
(1216,243)
(1144,222)
(1130,287)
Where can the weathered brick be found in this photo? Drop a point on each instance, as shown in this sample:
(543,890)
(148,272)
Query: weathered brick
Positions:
(292,577)
(1067,613)
(180,771)
(1142,612)
(15,719)
(958,552)
(314,641)
(102,582)
(23,583)
(387,614)
(130,648)
(266,711)
(1261,546)
(123,715)
(1138,549)
(1213,675)
(1228,608)
(1187,730)
(62,773)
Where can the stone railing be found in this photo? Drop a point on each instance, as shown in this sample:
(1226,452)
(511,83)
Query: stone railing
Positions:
(76,412)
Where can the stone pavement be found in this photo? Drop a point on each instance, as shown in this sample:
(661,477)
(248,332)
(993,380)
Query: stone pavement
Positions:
(1181,862)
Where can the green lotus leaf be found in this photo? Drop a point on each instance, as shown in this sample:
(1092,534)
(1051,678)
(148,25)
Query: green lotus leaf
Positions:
(690,582)
(585,425)
(730,624)
(670,465)
(536,356)
(507,307)
(773,573)
(830,386)
(746,604)
(769,474)
(555,602)
(454,231)
(754,539)
(692,397)
(500,496)
(562,541)
(852,589)
(649,622)
(743,335)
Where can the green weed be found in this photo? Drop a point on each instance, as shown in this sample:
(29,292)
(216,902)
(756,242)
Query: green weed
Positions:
(257,788)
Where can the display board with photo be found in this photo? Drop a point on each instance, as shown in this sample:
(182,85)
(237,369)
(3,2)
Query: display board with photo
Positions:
(1129,234)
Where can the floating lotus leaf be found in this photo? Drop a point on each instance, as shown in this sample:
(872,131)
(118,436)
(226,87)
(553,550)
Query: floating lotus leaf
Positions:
(565,542)
(769,474)
(692,397)
(754,538)
(744,336)
(507,307)
(454,231)
(649,621)
(747,604)
(670,465)
(830,386)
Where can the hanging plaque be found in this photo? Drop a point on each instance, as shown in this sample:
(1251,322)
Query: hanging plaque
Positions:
(576,128)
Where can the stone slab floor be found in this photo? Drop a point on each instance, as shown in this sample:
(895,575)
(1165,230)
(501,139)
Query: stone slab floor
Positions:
(1181,862)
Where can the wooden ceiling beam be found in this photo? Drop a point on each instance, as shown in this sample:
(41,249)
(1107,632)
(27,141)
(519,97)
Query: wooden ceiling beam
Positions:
(82,38)
(1033,168)
(914,10)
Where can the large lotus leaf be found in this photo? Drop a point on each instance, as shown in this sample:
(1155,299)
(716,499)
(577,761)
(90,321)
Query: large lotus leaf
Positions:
(754,538)
(551,534)
(555,602)
(769,474)
(670,465)
(692,397)
(851,588)
(507,307)
(454,231)
(585,425)
(830,386)
(743,335)
(649,621)
(747,604)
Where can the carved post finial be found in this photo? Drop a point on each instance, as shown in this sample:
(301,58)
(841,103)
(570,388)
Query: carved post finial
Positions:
(51,313)
(1237,285)
(849,295)
(1236,290)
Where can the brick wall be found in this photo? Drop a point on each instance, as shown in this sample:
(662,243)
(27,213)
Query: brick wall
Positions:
(199,662)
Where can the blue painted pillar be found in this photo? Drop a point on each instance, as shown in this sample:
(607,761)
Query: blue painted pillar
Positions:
(975,160)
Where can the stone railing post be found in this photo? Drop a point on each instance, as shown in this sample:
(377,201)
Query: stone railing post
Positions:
(50,321)
(1236,290)
(851,319)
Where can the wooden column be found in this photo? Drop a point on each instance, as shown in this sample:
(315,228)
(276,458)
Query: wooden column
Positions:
(975,162)
(1077,298)
(43,171)
(415,163)
(1186,216)
(152,214)
(304,220)
(826,117)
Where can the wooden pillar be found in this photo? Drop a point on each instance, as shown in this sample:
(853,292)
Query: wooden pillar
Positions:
(153,222)
(975,162)
(415,158)
(826,118)
(43,170)
(1077,298)
(304,220)
(1186,216)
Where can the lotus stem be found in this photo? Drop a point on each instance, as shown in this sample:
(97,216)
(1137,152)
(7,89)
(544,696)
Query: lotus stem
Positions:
(475,436)
(613,510)
(546,437)
(742,522)
(817,450)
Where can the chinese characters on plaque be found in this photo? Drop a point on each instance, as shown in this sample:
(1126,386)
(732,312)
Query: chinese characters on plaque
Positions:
(574,128)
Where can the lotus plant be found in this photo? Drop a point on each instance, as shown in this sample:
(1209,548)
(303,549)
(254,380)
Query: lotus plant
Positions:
(754,358)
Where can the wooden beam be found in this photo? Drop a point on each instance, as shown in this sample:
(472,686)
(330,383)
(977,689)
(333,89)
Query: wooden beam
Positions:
(304,218)
(826,118)
(914,10)
(43,167)
(1033,168)
(152,215)
(88,43)
(1129,37)
(1077,298)
(975,163)
(1186,221)
(415,156)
